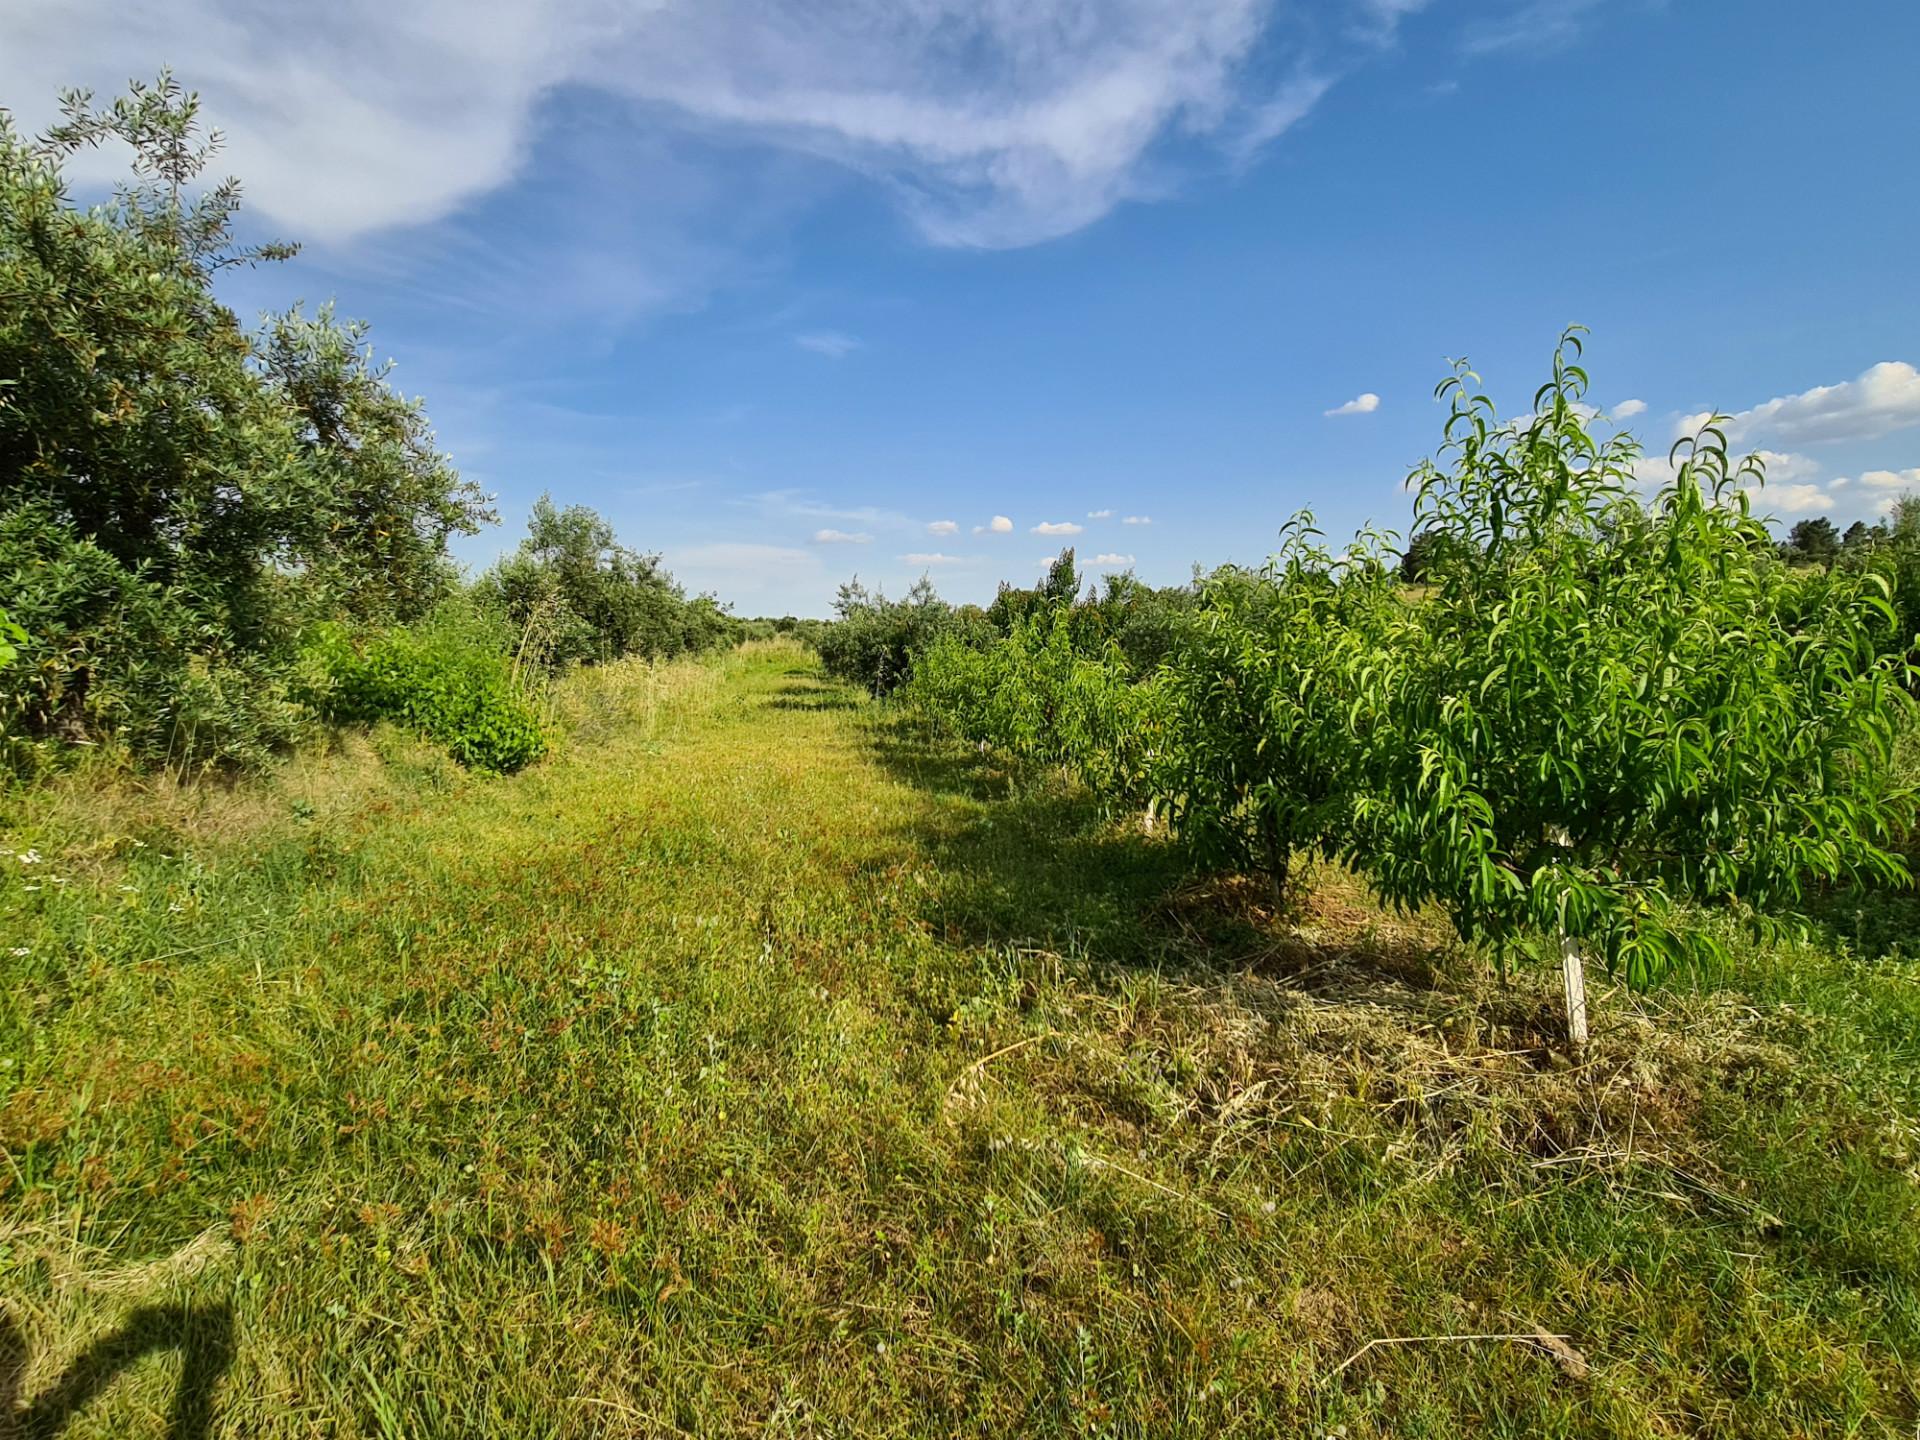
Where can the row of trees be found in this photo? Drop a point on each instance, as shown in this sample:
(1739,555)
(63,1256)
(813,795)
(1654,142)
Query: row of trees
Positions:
(875,642)
(1591,711)
(192,511)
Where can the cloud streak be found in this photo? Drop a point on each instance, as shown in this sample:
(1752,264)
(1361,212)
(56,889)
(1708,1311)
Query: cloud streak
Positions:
(830,343)
(991,124)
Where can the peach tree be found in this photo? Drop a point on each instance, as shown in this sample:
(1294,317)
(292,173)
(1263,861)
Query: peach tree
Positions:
(1609,705)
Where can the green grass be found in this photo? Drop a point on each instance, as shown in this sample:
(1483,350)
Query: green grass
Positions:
(750,1066)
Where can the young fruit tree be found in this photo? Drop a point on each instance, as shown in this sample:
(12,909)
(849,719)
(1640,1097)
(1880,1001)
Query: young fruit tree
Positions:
(1608,706)
(1265,698)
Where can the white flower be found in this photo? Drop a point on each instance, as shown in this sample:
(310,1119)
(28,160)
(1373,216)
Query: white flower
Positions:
(21,950)
(29,857)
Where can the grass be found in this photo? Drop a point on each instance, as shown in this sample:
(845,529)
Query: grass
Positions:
(750,1066)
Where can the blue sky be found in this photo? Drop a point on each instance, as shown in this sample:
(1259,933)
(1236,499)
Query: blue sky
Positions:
(781,287)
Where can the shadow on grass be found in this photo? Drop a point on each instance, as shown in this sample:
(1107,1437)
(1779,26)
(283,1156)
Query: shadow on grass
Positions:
(203,1334)
(1874,922)
(1030,860)
(805,694)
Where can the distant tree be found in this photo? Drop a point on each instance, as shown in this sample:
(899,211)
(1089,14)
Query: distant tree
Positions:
(1060,586)
(577,594)
(1814,539)
(874,641)
(1858,534)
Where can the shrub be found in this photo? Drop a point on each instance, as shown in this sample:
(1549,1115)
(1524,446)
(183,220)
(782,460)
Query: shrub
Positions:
(447,679)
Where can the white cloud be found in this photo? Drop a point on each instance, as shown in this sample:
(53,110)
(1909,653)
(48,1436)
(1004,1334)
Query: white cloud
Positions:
(992,123)
(1364,404)
(1786,468)
(943,527)
(1892,479)
(930,558)
(1099,514)
(830,343)
(1138,520)
(1882,399)
(1794,499)
(841,537)
(1057,527)
(1117,561)
(1627,409)
(999,525)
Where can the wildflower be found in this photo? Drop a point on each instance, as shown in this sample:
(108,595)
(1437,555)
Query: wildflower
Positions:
(21,951)
(29,857)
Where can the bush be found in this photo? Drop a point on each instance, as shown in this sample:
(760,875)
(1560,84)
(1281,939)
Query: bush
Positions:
(447,679)
(107,650)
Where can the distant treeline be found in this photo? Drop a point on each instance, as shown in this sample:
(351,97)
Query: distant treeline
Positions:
(213,537)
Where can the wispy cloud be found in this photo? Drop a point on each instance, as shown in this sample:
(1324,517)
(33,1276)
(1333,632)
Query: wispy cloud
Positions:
(943,527)
(841,537)
(830,343)
(932,558)
(1882,399)
(802,505)
(1627,409)
(1057,527)
(1364,404)
(999,525)
(1099,514)
(1138,520)
(1118,562)
(1532,27)
(993,124)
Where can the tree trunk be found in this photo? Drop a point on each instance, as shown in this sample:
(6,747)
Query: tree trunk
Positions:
(1573,977)
(1279,864)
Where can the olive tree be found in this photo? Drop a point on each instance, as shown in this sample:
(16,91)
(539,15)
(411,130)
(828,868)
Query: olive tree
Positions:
(1608,706)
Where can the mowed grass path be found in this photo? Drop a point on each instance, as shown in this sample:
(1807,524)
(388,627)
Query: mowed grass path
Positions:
(754,1067)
